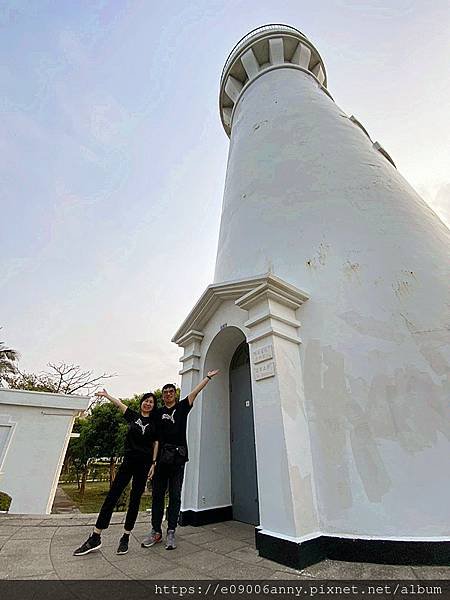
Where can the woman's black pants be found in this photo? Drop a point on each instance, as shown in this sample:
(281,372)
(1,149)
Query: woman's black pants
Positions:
(131,469)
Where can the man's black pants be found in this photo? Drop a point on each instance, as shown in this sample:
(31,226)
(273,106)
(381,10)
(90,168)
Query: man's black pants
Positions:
(137,470)
(166,476)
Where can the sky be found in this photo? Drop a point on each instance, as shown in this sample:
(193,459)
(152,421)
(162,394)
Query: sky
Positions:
(113,156)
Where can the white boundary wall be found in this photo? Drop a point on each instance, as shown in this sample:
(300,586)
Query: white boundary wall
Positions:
(35,429)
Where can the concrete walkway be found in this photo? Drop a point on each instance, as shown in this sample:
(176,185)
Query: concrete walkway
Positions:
(63,504)
(42,547)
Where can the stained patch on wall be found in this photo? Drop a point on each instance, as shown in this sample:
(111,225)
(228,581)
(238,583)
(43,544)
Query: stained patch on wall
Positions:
(320,257)
(368,461)
(351,270)
(351,416)
(367,458)
(372,327)
(432,343)
(325,408)
(302,496)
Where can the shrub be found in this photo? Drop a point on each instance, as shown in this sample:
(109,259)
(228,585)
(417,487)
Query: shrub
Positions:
(5,501)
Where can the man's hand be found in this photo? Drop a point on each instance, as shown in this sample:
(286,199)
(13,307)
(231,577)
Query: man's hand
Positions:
(102,394)
(151,472)
(203,383)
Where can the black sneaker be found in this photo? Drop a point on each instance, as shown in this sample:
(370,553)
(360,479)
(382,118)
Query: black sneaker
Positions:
(123,544)
(94,542)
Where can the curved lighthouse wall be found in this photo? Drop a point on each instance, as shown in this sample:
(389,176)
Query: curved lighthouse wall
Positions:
(309,199)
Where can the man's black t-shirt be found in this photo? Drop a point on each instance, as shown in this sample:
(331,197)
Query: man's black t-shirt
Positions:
(140,436)
(171,423)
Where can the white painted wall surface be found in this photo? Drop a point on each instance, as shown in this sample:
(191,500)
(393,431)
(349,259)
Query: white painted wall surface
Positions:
(39,427)
(308,199)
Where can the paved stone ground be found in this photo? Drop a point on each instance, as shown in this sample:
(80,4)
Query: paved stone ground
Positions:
(42,547)
(63,504)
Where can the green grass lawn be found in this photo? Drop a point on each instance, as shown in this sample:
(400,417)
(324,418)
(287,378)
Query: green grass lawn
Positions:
(95,494)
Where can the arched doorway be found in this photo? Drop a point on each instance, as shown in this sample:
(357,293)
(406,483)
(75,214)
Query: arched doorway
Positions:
(244,481)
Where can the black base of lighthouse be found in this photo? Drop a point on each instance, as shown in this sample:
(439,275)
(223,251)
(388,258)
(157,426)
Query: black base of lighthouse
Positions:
(301,555)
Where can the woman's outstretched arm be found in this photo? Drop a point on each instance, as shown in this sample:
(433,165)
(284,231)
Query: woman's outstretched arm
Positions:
(104,394)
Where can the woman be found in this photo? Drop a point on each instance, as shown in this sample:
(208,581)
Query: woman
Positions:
(141,449)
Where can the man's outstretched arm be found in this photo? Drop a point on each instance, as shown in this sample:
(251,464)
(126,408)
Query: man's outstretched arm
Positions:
(203,383)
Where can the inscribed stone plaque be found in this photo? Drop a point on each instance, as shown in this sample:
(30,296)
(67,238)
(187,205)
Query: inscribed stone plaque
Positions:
(265,370)
(263,353)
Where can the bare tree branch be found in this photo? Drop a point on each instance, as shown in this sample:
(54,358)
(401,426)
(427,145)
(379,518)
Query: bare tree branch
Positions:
(60,378)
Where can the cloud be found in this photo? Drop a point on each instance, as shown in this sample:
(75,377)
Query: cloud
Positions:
(437,195)
(441,203)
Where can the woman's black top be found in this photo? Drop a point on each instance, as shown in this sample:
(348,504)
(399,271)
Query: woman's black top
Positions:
(140,436)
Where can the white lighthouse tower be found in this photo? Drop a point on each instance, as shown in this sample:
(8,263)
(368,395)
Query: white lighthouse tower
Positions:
(329,427)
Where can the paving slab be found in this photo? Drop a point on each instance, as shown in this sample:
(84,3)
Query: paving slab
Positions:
(187,529)
(216,527)
(19,559)
(26,522)
(234,569)
(203,561)
(299,575)
(34,533)
(3,539)
(8,530)
(43,576)
(247,554)
(137,567)
(95,568)
(63,503)
(239,531)
(185,547)
(180,573)
(249,540)
(72,539)
(432,572)
(68,523)
(224,545)
(19,516)
(101,573)
(204,537)
(334,569)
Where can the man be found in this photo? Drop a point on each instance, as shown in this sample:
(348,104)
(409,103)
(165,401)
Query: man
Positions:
(171,423)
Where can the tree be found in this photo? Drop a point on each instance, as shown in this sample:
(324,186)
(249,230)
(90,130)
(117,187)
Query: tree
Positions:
(110,429)
(61,378)
(8,357)
(30,382)
(79,452)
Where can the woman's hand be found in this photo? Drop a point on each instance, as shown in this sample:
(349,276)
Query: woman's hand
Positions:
(212,373)
(151,472)
(104,394)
